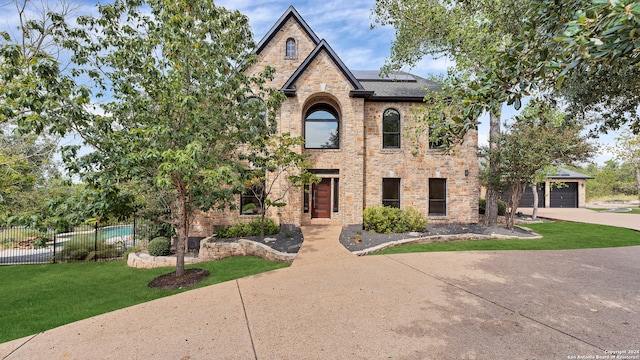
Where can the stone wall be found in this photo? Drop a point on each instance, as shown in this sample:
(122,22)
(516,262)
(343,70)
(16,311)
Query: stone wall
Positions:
(273,54)
(414,163)
(211,250)
(145,261)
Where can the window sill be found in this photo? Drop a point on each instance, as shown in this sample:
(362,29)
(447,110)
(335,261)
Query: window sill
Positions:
(291,58)
(391,151)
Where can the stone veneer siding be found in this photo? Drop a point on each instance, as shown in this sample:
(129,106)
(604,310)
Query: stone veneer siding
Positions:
(361,160)
(414,163)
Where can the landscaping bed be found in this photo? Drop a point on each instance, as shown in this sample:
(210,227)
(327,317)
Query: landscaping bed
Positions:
(357,240)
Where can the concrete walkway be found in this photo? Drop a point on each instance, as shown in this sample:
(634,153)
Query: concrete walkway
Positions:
(466,305)
(631,221)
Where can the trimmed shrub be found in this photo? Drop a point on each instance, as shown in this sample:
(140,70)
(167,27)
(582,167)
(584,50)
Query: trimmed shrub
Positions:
(384,219)
(243,229)
(502,207)
(82,248)
(160,246)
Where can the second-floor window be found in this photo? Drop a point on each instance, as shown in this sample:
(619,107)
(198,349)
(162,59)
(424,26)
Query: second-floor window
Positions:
(391,129)
(435,138)
(321,128)
(290,50)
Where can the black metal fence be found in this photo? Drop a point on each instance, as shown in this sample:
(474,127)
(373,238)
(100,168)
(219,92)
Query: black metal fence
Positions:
(23,245)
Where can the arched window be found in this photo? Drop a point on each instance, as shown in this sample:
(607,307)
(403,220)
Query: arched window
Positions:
(391,129)
(290,50)
(256,117)
(321,128)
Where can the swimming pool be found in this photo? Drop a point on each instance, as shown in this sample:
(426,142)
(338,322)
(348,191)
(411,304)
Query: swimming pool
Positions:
(105,233)
(115,231)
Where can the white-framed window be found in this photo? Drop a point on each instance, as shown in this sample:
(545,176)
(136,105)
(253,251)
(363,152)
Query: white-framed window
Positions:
(290,50)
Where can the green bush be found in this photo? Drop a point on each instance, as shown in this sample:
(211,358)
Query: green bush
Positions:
(384,219)
(243,229)
(147,230)
(502,207)
(160,246)
(84,248)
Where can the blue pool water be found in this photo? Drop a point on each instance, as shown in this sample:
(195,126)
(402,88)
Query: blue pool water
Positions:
(114,231)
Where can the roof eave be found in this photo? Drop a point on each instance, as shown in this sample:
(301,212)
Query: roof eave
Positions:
(361,94)
(397,98)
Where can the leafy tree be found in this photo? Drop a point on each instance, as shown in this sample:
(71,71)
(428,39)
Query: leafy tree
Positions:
(608,180)
(628,149)
(176,87)
(270,160)
(538,139)
(589,50)
(489,71)
(35,94)
(26,164)
(582,51)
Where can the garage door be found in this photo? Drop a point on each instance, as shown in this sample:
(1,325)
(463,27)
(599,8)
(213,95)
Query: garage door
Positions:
(527,196)
(564,197)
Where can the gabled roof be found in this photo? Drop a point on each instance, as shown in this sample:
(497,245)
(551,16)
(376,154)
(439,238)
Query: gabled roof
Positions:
(369,84)
(563,173)
(358,91)
(291,12)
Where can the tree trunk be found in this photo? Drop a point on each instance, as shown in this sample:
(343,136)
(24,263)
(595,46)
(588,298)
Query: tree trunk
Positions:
(182,220)
(637,165)
(534,188)
(491,210)
(262,223)
(517,190)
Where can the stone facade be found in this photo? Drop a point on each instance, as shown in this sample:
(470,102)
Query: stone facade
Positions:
(316,77)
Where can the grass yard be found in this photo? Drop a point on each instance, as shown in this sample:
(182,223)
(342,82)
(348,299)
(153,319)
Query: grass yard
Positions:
(555,236)
(40,297)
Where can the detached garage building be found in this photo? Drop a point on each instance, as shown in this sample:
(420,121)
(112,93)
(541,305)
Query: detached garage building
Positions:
(564,189)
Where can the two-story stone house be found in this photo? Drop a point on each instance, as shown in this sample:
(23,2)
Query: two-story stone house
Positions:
(356,126)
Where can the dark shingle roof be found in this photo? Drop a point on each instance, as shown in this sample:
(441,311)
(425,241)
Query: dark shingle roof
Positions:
(568,174)
(397,86)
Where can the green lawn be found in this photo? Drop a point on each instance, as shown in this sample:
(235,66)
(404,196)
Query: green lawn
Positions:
(40,297)
(555,236)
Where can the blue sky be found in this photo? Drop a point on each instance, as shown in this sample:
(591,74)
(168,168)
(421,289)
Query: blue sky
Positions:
(346,25)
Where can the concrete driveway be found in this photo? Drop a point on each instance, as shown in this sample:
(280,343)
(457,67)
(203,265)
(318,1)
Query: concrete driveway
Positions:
(631,221)
(333,305)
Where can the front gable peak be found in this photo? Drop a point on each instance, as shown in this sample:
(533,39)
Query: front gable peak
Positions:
(291,12)
(358,91)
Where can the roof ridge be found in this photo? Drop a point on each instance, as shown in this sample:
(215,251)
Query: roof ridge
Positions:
(290,12)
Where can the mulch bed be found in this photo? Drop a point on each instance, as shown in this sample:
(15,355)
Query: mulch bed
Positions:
(171,282)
